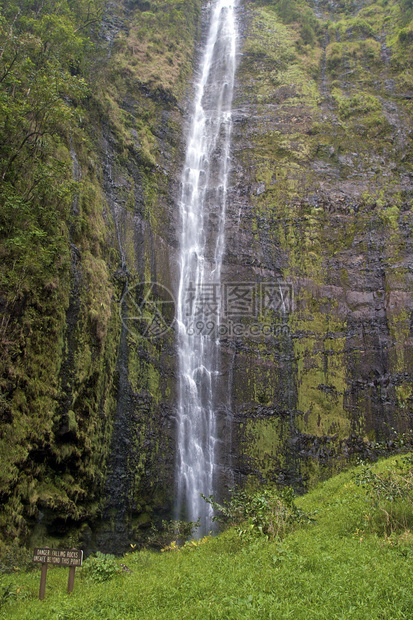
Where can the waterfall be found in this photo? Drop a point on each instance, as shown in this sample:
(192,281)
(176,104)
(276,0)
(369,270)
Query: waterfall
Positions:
(203,210)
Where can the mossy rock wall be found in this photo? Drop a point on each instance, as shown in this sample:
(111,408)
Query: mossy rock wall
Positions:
(87,444)
(321,200)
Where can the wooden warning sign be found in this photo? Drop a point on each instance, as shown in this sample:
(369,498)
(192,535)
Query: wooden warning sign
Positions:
(57,557)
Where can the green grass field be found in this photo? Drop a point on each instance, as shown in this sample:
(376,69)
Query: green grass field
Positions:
(344,565)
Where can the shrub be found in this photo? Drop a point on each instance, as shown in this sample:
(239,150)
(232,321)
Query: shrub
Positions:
(269,513)
(101,567)
(172,533)
(390,495)
(14,557)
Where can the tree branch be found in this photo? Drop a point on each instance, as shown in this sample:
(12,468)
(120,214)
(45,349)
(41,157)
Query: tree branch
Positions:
(12,159)
(9,68)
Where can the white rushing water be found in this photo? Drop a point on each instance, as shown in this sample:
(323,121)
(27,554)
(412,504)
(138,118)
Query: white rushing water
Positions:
(203,210)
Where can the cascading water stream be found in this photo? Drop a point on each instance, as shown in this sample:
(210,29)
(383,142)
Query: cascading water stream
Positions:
(203,209)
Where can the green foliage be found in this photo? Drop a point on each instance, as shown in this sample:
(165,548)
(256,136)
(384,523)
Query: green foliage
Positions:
(288,10)
(331,570)
(100,567)
(39,96)
(14,557)
(358,104)
(407,5)
(268,513)
(45,53)
(174,531)
(41,89)
(391,496)
(309,27)
(401,441)
(406,36)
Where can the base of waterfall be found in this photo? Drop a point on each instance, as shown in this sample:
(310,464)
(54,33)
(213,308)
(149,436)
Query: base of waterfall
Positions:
(344,565)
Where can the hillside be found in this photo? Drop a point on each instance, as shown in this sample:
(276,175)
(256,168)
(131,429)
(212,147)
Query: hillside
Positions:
(343,565)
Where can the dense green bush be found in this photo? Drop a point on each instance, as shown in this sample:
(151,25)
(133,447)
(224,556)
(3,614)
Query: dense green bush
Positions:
(390,494)
(101,567)
(14,557)
(171,531)
(269,513)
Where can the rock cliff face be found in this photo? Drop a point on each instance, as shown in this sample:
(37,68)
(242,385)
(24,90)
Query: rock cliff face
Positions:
(321,200)
(151,72)
(319,205)
(319,221)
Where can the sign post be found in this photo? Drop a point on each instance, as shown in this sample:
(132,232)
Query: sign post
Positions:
(43,575)
(71,581)
(57,557)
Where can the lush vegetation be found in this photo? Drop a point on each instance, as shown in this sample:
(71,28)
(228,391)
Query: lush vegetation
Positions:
(46,52)
(68,73)
(345,564)
(74,105)
(43,50)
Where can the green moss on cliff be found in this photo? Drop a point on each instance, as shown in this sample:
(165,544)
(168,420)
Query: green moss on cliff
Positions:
(67,251)
(326,156)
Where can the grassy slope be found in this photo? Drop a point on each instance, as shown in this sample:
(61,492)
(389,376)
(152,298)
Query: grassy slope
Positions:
(332,569)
